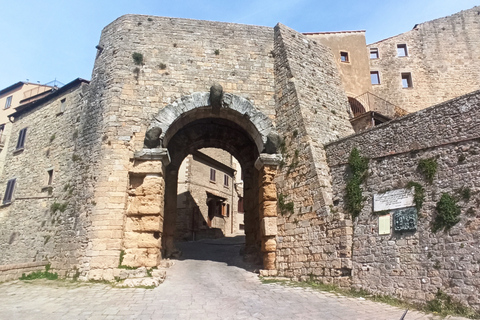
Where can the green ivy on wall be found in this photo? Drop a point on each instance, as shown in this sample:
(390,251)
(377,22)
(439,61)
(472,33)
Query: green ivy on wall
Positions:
(358,166)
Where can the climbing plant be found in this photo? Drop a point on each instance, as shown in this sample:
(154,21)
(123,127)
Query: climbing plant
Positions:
(418,195)
(447,213)
(428,167)
(358,166)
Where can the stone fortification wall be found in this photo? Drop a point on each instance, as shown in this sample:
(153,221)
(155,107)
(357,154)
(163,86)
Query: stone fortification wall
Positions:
(45,223)
(312,109)
(180,56)
(443,58)
(415,264)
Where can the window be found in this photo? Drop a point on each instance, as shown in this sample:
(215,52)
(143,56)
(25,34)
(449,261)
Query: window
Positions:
(402,50)
(228,210)
(63,104)
(240,205)
(8,103)
(407,80)
(344,56)
(375,77)
(225,180)
(7,198)
(50,177)
(21,139)
(213,173)
(373,53)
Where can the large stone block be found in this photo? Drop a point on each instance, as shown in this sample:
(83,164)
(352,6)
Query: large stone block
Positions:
(149,166)
(141,240)
(269,226)
(143,223)
(269,244)
(269,209)
(141,258)
(269,260)
(149,204)
(268,192)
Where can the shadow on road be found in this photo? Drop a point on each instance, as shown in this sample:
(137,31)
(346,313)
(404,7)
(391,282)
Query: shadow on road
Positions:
(228,250)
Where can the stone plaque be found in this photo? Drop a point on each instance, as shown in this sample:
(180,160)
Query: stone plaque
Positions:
(405,220)
(395,199)
(384,224)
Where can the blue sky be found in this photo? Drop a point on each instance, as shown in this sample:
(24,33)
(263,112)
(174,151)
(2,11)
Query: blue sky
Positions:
(55,39)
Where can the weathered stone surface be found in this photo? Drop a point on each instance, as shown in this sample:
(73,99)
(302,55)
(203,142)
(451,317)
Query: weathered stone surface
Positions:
(145,166)
(269,245)
(414,264)
(152,137)
(143,223)
(269,226)
(141,240)
(269,260)
(269,209)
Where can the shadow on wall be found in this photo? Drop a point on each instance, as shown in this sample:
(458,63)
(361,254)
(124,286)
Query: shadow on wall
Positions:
(191,224)
(229,250)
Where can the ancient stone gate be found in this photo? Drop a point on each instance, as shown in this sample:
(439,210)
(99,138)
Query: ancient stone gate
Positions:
(188,124)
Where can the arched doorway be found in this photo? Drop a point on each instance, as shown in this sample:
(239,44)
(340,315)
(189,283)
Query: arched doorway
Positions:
(181,128)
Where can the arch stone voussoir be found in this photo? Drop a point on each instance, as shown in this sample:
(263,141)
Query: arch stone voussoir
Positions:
(244,113)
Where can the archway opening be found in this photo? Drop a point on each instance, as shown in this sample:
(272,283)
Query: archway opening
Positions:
(190,139)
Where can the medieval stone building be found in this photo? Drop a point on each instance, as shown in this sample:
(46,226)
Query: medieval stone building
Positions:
(95,182)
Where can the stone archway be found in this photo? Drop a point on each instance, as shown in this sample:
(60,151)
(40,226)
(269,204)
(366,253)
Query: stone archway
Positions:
(228,122)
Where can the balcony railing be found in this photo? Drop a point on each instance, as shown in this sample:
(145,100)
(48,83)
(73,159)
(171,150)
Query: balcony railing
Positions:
(371,102)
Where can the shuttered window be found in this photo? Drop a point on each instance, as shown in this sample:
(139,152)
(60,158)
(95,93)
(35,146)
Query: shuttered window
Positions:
(21,139)
(7,198)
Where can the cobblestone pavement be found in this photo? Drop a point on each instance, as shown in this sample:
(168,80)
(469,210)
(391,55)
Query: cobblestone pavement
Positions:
(209,282)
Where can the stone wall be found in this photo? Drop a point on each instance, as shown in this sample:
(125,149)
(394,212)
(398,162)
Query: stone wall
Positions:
(443,58)
(312,109)
(414,265)
(45,223)
(180,56)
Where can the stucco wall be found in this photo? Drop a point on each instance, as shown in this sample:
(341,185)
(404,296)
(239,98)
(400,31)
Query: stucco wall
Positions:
(414,265)
(354,72)
(443,59)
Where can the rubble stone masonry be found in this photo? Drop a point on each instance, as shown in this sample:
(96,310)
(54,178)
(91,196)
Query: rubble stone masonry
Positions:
(414,265)
(46,223)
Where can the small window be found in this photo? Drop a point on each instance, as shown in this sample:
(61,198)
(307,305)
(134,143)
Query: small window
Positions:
(407,80)
(402,50)
(213,174)
(240,205)
(50,177)
(8,103)
(344,56)
(373,53)
(21,139)
(7,198)
(63,105)
(225,180)
(228,210)
(375,77)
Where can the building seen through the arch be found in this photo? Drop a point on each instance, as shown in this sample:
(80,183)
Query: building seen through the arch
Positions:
(210,196)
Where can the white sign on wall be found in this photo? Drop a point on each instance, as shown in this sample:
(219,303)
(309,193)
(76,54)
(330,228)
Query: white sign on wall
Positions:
(395,199)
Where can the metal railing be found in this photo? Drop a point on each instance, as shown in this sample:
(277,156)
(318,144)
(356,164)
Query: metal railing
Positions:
(371,102)
(34,91)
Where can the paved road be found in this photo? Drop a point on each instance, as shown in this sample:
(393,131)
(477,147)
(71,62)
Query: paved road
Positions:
(209,282)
